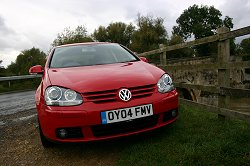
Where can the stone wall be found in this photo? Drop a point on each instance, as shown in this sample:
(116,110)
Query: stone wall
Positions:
(206,77)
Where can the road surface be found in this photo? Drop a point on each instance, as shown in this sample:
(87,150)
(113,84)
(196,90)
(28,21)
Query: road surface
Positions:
(16,102)
(20,141)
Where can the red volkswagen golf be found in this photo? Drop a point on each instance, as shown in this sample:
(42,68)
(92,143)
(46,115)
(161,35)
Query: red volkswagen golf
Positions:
(95,91)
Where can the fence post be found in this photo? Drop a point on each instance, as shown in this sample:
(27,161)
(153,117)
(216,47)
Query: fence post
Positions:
(163,56)
(223,73)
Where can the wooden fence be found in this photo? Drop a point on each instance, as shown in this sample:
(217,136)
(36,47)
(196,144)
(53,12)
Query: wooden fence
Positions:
(223,89)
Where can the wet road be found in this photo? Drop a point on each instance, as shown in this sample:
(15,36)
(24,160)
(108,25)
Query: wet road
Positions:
(16,102)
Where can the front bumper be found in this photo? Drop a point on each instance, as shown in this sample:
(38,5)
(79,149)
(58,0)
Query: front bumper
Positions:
(84,122)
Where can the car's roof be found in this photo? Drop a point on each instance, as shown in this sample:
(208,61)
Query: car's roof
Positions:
(86,43)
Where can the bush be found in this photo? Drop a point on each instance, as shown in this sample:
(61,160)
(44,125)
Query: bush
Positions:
(16,85)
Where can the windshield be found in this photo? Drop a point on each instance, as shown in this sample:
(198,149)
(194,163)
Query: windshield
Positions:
(87,55)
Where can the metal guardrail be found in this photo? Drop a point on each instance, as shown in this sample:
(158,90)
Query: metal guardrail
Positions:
(22,77)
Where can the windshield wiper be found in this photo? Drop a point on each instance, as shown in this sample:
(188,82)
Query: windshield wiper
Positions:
(130,61)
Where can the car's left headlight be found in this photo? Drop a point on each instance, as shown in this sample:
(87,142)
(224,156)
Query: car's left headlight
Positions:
(165,84)
(58,96)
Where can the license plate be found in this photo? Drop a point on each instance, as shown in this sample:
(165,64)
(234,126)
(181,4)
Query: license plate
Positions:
(125,114)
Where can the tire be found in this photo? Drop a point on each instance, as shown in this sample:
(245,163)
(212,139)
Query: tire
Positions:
(45,142)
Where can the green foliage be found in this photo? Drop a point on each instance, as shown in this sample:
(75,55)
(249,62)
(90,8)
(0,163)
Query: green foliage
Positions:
(2,69)
(78,35)
(199,22)
(228,22)
(19,85)
(117,32)
(25,60)
(180,53)
(244,51)
(150,33)
(101,34)
(245,47)
(246,58)
(232,47)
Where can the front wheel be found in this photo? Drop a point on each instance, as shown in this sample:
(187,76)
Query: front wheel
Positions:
(45,142)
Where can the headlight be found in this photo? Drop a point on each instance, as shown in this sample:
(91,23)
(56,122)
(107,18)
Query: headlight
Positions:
(165,84)
(58,96)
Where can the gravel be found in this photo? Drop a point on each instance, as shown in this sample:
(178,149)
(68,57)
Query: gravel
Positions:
(20,145)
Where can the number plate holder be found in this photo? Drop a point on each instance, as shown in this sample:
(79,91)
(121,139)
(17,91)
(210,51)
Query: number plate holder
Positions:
(125,114)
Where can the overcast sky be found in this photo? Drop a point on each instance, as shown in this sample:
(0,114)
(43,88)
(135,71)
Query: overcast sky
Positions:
(28,23)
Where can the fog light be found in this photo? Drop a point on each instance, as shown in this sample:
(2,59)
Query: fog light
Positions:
(62,133)
(174,113)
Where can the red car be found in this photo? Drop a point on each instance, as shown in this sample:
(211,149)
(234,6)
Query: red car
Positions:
(96,91)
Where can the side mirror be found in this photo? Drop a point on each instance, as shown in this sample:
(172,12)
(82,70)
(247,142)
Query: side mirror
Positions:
(38,69)
(144,59)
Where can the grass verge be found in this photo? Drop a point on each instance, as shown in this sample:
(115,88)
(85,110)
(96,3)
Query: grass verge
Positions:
(197,138)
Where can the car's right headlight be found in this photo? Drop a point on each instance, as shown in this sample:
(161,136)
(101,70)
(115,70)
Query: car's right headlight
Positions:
(165,84)
(58,96)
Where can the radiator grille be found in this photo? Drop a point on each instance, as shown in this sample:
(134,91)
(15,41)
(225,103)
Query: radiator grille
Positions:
(111,95)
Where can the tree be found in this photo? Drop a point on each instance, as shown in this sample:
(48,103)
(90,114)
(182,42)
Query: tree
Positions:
(101,34)
(27,59)
(180,53)
(199,22)
(149,34)
(2,69)
(117,32)
(245,51)
(245,47)
(1,61)
(78,35)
